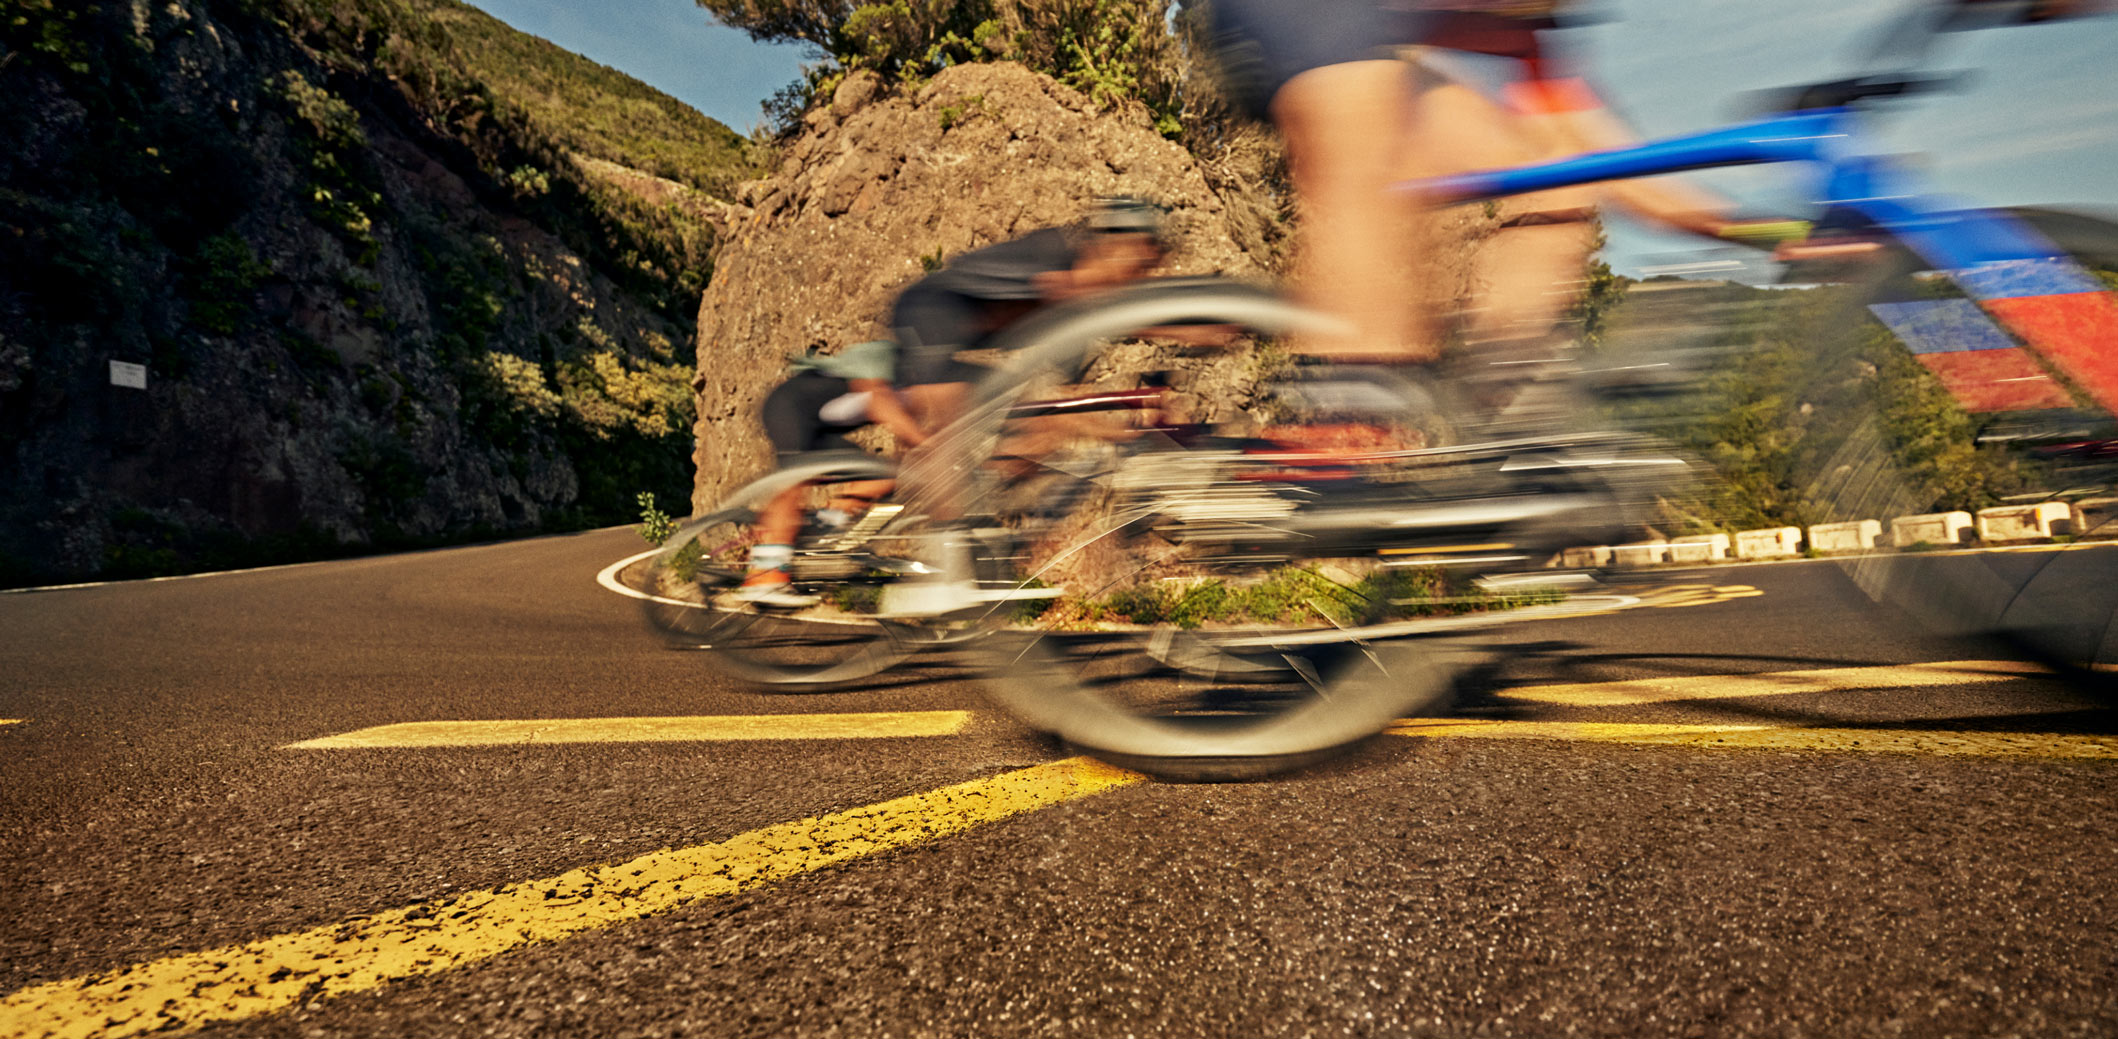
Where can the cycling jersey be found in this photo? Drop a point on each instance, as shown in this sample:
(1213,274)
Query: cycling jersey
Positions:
(876,359)
(817,405)
(958,307)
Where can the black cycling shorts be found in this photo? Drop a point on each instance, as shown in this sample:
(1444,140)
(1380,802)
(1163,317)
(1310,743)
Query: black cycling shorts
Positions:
(791,416)
(1261,44)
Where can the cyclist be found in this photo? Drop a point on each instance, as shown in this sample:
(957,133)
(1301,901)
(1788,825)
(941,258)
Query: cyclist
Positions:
(966,303)
(825,397)
(916,384)
(1357,121)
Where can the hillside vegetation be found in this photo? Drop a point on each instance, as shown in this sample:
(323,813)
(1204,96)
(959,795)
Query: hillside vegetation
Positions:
(396,274)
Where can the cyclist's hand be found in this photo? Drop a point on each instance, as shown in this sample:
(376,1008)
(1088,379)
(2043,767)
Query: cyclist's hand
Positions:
(1765,234)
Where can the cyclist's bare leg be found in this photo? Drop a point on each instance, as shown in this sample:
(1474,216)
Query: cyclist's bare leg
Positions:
(1529,272)
(936,405)
(778,523)
(857,497)
(1349,129)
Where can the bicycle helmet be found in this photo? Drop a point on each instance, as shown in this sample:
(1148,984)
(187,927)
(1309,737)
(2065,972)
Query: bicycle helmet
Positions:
(1128,214)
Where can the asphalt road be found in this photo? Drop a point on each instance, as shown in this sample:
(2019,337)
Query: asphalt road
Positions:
(1765,807)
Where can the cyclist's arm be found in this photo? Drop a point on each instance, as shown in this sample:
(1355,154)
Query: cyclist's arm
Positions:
(1571,110)
(887,409)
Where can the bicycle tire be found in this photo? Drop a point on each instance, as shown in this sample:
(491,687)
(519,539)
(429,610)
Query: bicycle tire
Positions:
(688,582)
(2059,606)
(1126,696)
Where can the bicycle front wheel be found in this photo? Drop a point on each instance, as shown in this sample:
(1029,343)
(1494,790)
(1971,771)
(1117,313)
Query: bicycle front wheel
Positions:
(1177,643)
(691,595)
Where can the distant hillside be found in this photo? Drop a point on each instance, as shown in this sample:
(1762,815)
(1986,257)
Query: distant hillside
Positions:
(391,273)
(590,108)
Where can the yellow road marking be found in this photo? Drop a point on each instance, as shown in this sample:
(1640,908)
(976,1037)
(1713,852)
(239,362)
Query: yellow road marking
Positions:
(236,982)
(1766,737)
(1777,683)
(1496,546)
(647,730)
(1676,596)
(10,721)
(1679,596)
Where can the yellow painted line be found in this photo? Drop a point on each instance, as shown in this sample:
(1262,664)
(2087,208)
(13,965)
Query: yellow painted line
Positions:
(1766,737)
(11,721)
(1777,683)
(647,730)
(237,982)
(1676,596)
(1496,546)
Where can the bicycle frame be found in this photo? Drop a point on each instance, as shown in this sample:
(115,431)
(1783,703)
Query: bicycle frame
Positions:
(2017,276)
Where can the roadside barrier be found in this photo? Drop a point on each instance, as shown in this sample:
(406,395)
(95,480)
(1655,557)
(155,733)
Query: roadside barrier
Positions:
(2042,521)
(1850,536)
(1938,528)
(1644,554)
(1699,548)
(2025,522)
(2095,516)
(1769,543)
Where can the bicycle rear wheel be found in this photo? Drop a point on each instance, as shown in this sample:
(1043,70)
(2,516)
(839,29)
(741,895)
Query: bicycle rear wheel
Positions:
(691,587)
(1178,646)
(1950,418)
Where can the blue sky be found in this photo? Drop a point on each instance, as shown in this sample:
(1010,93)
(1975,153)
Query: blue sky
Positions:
(2036,123)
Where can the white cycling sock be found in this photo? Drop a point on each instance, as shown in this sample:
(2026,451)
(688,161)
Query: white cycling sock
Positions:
(770,557)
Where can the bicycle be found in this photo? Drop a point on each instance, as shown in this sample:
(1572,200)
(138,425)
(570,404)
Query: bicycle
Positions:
(689,587)
(1194,518)
(691,584)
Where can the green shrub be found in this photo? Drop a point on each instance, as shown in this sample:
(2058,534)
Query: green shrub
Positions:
(224,275)
(1115,51)
(684,564)
(1202,603)
(1147,604)
(857,598)
(1301,595)
(655,525)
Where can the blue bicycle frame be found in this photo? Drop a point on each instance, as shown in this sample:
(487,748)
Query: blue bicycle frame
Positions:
(1966,242)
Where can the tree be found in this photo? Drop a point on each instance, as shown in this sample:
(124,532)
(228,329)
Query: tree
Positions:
(1112,50)
(814,22)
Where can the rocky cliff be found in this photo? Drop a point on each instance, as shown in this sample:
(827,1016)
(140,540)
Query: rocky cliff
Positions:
(287,277)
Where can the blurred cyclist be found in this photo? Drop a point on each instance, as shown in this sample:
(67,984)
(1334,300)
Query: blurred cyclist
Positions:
(965,304)
(916,385)
(1357,121)
(825,397)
